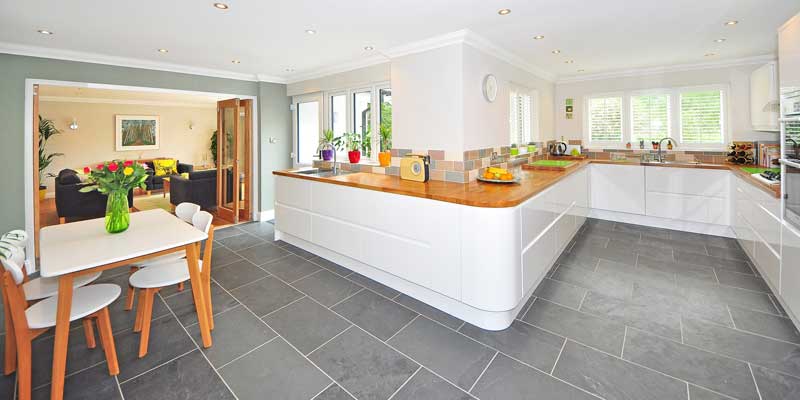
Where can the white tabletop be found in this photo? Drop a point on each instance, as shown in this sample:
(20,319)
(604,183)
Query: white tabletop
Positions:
(77,246)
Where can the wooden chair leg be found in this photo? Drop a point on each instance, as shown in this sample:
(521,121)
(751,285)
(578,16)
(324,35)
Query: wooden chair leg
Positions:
(62,220)
(100,332)
(24,369)
(209,307)
(10,363)
(107,339)
(137,325)
(147,316)
(130,295)
(180,287)
(88,330)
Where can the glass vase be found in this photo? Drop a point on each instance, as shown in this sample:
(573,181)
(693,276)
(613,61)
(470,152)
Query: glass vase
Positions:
(117,212)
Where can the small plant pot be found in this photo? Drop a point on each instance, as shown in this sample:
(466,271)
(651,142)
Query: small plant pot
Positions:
(327,155)
(531,149)
(354,156)
(42,192)
(514,151)
(385,158)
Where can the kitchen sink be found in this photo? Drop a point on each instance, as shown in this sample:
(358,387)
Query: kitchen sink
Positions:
(321,173)
(678,163)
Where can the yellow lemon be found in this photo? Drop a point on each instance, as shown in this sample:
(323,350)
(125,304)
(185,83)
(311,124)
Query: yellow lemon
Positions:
(127,171)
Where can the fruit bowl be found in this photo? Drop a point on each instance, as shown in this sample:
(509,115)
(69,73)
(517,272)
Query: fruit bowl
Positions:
(497,175)
(482,179)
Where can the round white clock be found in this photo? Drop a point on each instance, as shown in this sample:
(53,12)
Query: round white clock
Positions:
(490,88)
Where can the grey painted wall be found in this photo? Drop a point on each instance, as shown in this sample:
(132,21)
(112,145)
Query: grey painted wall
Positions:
(274,115)
(276,122)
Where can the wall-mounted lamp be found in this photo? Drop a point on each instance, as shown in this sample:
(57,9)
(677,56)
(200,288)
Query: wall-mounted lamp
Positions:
(74,125)
(191,125)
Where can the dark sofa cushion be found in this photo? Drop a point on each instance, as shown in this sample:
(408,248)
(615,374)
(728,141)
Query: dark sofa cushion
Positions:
(207,174)
(68,177)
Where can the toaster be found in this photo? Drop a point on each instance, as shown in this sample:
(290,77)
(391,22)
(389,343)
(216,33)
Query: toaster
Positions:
(415,167)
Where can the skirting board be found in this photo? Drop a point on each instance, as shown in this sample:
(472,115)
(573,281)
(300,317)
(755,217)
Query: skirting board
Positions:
(266,215)
(657,222)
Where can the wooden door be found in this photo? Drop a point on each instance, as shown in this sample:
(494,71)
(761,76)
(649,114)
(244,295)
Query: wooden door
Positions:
(35,167)
(228,160)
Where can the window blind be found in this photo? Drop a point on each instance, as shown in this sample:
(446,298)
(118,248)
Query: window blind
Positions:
(701,117)
(649,117)
(605,119)
(792,130)
(520,118)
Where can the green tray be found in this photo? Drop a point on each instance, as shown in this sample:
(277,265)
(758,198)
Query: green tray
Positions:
(757,170)
(552,163)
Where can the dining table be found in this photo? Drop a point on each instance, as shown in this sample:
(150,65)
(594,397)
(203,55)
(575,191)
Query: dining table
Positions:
(84,247)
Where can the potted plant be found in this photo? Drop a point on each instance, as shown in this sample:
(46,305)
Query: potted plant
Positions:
(353,145)
(325,141)
(46,130)
(531,147)
(213,148)
(385,156)
(514,149)
(115,179)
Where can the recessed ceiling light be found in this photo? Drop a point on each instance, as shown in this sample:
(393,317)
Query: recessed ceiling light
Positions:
(236,61)
(556,51)
(538,37)
(289,70)
(163,51)
(504,11)
(45,32)
(311,32)
(221,6)
(710,54)
(731,23)
(720,40)
(581,70)
(369,48)
(569,61)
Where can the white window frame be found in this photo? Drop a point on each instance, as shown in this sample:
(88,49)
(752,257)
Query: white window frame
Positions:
(374,89)
(674,118)
(535,120)
(296,100)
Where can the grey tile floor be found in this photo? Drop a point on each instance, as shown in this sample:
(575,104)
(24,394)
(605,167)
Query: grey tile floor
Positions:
(628,312)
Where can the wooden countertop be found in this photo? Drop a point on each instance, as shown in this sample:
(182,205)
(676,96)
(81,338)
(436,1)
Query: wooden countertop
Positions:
(492,195)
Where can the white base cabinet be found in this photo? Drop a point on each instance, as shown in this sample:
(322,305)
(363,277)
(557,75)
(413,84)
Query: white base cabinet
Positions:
(790,271)
(757,223)
(618,188)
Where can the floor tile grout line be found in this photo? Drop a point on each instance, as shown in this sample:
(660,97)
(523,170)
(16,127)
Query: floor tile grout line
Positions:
(332,384)
(156,367)
(739,330)
(246,353)
(361,289)
(755,382)
(306,276)
(67,375)
(248,283)
(580,305)
(624,339)
(282,307)
(119,387)
(419,367)
(471,388)
(330,340)
(214,315)
(404,327)
(558,357)
(728,309)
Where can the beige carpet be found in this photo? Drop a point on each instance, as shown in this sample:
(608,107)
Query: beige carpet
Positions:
(143,203)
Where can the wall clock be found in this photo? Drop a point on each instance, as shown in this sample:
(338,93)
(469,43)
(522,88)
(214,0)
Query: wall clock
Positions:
(490,87)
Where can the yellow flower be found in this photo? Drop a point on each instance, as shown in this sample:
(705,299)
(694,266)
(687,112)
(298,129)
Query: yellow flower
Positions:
(127,171)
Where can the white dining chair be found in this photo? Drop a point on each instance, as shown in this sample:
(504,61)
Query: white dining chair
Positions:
(88,303)
(185,211)
(151,279)
(16,237)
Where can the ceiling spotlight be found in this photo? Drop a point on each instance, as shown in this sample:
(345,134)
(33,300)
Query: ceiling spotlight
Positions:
(45,32)
(556,51)
(289,70)
(731,23)
(221,6)
(369,48)
(581,70)
(236,62)
(720,40)
(163,51)
(538,37)
(569,61)
(504,11)
(710,54)
(311,32)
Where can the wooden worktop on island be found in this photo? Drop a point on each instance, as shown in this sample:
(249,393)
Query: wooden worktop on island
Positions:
(493,195)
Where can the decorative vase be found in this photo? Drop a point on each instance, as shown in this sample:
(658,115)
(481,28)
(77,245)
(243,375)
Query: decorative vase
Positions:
(327,155)
(514,151)
(385,158)
(117,212)
(354,156)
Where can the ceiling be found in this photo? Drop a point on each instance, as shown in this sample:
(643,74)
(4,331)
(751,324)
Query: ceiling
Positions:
(270,39)
(84,94)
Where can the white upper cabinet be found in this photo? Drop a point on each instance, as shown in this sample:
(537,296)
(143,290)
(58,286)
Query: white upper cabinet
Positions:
(764,102)
(789,54)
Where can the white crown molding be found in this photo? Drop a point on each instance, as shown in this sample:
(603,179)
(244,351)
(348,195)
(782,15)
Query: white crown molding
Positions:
(337,69)
(100,100)
(70,55)
(645,71)
(428,44)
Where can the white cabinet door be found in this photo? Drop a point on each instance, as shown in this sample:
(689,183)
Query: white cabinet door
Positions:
(536,259)
(769,264)
(764,98)
(710,210)
(618,188)
(790,270)
(691,181)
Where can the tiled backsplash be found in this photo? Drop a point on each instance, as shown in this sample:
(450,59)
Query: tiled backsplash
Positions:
(473,162)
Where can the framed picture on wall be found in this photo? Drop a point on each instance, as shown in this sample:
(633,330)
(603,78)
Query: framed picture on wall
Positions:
(137,132)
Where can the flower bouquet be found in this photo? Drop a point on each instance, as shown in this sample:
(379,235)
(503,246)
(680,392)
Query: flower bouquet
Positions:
(115,179)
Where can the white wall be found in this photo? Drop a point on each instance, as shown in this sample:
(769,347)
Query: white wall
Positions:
(737,77)
(427,93)
(487,124)
(349,79)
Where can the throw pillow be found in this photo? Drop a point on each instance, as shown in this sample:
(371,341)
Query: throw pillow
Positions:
(165,167)
(185,175)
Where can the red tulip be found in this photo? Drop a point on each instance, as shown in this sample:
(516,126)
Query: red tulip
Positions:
(128,163)
(113,167)
(100,166)
(86,170)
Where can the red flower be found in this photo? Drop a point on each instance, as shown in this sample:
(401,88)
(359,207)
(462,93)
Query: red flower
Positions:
(86,170)
(113,167)
(128,163)
(100,166)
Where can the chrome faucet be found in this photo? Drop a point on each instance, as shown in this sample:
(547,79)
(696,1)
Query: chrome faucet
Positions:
(659,157)
(325,146)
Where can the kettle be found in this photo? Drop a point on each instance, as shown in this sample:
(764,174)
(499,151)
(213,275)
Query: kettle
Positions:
(557,149)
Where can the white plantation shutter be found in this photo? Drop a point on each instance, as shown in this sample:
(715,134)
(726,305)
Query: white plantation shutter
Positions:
(702,117)
(520,117)
(649,117)
(605,119)
(793,132)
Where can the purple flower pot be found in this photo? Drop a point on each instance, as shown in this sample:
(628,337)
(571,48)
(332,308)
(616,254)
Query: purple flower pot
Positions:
(327,155)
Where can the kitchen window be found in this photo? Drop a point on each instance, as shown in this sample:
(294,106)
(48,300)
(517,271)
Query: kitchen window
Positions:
(354,110)
(650,117)
(702,117)
(604,116)
(523,116)
(338,114)
(307,129)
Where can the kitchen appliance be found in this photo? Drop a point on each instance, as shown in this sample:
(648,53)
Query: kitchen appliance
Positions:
(791,193)
(789,72)
(415,167)
(557,149)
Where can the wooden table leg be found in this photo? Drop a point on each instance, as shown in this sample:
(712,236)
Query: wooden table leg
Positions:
(61,341)
(198,293)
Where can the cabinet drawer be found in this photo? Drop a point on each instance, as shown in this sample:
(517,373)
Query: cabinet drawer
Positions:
(790,270)
(744,235)
(766,226)
(710,210)
(691,181)
(768,263)
(293,192)
(292,221)
(618,188)
(536,260)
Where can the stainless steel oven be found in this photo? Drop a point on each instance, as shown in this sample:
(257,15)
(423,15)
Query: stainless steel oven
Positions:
(791,192)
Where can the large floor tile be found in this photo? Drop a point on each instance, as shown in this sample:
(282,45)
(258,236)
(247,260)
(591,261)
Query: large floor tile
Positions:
(689,247)
(263,253)
(227,232)
(237,274)
(122,319)
(582,327)
(364,366)
(93,383)
(306,324)
(639,273)
(78,356)
(506,379)
(597,251)
(773,354)
(333,392)
(644,230)
(373,285)
(708,240)
(710,261)
(577,261)
(612,378)
(776,386)
(263,230)
(326,287)
(656,252)
(266,295)
(428,386)
(375,314)
(430,312)
(235,333)
(223,256)
(182,304)
(731,253)
(654,318)
(291,268)
(168,340)
(607,284)
(304,254)
(698,393)
(764,324)
(448,353)
(187,377)
(687,303)
(239,242)
(274,370)
(524,342)
(718,373)
(566,294)
(743,281)
(698,272)
(331,266)
(594,231)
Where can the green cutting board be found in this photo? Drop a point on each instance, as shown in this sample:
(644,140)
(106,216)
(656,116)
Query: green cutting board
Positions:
(552,165)
(756,170)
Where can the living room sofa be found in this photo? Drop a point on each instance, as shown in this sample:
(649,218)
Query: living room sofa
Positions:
(72,204)
(154,182)
(200,188)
